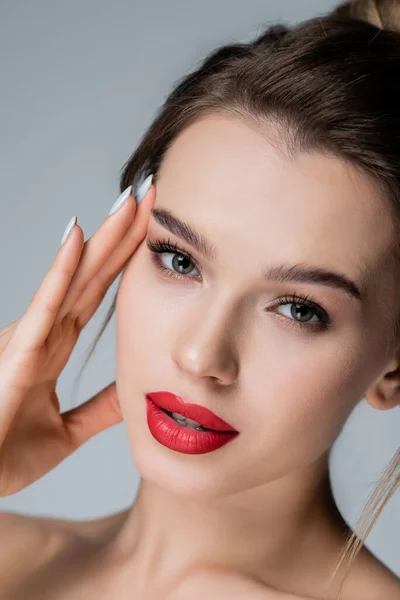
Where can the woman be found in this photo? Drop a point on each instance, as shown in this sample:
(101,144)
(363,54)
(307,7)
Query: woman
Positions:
(260,274)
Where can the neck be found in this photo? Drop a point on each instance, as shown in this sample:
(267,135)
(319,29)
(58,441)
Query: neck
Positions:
(275,532)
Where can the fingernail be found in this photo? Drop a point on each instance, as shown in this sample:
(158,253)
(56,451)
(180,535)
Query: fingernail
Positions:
(120,200)
(68,229)
(144,188)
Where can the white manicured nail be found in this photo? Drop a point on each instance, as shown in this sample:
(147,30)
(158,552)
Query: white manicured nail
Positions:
(120,200)
(144,188)
(68,229)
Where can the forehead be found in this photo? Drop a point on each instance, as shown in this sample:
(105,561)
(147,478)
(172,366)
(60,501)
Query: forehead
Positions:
(234,182)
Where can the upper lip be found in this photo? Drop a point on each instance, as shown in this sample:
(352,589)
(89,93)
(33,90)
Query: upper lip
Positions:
(200,414)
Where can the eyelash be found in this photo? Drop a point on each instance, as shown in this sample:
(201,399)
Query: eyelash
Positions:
(161,246)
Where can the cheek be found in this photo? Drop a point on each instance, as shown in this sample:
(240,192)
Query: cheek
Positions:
(292,414)
(306,397)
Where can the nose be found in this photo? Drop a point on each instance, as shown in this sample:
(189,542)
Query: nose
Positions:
(206,345)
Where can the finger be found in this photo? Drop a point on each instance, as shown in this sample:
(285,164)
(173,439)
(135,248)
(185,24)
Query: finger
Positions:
(87,304)
(96,251)
(36,323)
(97,414)
(6,333)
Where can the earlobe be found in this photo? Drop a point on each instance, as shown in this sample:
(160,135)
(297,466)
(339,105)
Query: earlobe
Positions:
(384,392)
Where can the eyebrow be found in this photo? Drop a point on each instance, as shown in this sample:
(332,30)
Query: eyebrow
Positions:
(281,272)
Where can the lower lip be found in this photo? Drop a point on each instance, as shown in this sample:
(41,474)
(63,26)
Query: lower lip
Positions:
(183,439)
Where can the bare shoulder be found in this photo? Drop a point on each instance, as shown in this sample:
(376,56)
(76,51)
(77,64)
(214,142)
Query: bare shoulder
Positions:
(40,529)
(21,532)
(37,541)
(372,580)
(23,537)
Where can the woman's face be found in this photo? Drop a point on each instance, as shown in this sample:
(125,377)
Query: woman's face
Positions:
(213,332)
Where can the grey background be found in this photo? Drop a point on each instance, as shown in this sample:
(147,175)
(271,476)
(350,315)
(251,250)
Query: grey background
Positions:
(80,82)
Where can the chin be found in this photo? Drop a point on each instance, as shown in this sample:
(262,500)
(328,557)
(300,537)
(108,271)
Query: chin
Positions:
(194,476)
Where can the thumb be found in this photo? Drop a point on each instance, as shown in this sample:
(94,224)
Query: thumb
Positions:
(100,412)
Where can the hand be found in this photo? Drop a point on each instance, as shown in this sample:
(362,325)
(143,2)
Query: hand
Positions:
(34,436)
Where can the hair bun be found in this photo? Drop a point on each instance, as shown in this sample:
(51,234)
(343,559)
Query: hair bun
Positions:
(384,14)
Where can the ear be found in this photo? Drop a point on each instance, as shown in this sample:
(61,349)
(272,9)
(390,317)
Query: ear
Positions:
(384,392)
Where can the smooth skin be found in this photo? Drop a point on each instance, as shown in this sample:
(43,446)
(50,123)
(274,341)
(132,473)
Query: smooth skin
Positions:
(255,519)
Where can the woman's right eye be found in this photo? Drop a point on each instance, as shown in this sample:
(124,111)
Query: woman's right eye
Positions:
(180,258)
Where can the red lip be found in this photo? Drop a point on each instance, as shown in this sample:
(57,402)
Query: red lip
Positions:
(200,414)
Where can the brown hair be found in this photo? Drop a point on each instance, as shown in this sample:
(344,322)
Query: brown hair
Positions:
(328,84)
